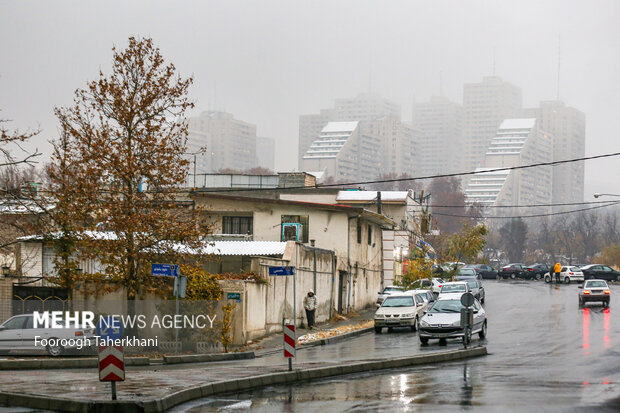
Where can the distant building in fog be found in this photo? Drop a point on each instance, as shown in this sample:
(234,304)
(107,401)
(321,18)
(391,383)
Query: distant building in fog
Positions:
(567,126)
(265,153)
(363,107)
(230,143)
(440,146)
(485,106)
(516,142)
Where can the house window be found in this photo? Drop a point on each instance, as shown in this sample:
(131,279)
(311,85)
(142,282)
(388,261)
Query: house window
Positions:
(237,225)
(369,235)
(359,232)
(294,228)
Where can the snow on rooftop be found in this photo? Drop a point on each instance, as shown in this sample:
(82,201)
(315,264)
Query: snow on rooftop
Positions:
(340,127)
(210,247)
(524,123)
(386,196)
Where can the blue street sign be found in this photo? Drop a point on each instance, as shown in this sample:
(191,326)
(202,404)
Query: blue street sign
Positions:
(281,270)
(110,328)
(166,270)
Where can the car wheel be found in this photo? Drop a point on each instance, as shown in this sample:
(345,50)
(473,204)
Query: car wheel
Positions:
(378,330)
(424,340)
(580,302)
(414,327)
(483,332)
(567,280)
(537,277)
(618,278)
(55,350)
(443,342)
(547,279)
(606,303)
(513,275)
(390,329)
(499,277)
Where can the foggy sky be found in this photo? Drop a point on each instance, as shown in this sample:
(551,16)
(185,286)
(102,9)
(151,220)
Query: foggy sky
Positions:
(267,62)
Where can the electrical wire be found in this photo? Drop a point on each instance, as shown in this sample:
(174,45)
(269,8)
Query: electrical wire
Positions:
(379,181)
(610,203)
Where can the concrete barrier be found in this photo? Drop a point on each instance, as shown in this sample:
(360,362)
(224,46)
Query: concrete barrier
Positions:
(235,385)
(203,358)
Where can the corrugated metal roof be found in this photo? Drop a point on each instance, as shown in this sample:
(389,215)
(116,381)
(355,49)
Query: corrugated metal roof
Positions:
(242,248)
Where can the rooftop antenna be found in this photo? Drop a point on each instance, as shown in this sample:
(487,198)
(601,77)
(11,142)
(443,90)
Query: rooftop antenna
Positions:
(557,95)
(440,83)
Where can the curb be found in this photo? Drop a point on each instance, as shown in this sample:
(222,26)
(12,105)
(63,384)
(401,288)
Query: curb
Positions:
(236,385)
(336,338)
(321,342)
(37,364)
(203,358)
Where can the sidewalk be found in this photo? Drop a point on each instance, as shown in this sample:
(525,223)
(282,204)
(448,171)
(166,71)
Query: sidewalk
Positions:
(333,327)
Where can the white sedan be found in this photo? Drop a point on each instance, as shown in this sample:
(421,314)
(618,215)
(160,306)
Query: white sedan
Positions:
(443,320)
(454,289)
(403,310)
(569,273)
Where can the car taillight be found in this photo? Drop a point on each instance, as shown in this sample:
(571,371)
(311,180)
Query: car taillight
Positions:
(607,292)
(586,292)
(439,285)
(530,269)
(571,273)
(79,333)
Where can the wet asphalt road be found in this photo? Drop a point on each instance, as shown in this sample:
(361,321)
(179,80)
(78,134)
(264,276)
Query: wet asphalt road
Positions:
(545,355)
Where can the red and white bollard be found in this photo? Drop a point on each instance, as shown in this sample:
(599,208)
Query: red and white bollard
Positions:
(289,344)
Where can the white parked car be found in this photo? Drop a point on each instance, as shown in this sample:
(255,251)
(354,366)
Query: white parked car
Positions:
(443,320)
(569,273)
(389,290)
(402,310)
(18,334)
(427,295)
(454,289)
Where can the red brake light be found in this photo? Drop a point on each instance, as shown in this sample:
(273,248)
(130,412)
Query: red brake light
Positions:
(586,292)
(607,292)
(439,285)
(530,269)
(571,273)
(79,333)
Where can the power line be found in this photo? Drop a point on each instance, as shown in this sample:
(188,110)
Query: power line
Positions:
(610,203)
(521,206)
(379,181)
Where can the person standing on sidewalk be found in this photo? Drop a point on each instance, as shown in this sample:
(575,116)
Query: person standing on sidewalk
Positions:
(310,306)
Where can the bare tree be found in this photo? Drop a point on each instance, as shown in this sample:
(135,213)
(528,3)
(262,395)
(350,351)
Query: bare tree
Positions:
(117,167)
(14,138)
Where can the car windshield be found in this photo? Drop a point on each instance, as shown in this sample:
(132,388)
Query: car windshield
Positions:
(472,284)
(391,289)
(454,288)
(446,306)
(594,284)
(466,271)
(398,302)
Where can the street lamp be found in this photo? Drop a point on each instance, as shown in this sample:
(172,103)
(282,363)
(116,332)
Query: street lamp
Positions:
(6,270)
(598,194)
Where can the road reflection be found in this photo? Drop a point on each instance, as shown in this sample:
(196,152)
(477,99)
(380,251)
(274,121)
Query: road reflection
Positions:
(606,318)
(586,331)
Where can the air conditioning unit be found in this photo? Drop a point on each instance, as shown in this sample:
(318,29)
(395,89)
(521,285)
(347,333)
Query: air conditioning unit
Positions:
(291,231)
